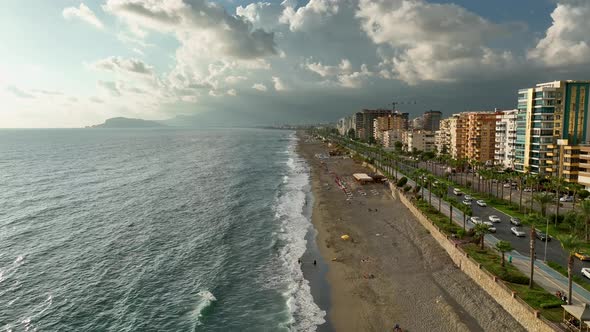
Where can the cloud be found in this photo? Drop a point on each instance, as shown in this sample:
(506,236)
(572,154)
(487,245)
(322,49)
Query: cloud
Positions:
(422,41)
(19,93)
(566,41)
(109,88)
(232,92)
(122,65)
(342,75)
(259,87)
(199,25)
(279,85)
(82,13)
(264,15)
(310,15)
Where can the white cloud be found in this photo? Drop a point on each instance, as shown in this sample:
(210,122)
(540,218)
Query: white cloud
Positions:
(344,67)
(310,15)
(82,13)
(423,41)
(259,87)
(279,85)
(109,88)
(567,41)
(264,15)
(123,65)
(232,92)
(342,75)
(19,92)
(201,26)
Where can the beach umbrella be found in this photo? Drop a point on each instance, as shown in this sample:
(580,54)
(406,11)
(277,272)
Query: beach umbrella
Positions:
(345,237)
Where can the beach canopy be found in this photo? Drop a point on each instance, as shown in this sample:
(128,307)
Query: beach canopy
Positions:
(581,312)
(345,237)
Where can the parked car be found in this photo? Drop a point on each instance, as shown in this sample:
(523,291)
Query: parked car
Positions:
(466,202)
(468,197)
(586,272)
(507,185)
(481,203)
(567,199)
(457,192)
(582,256)
(494,218)
(542,236)
(517,231)
(491,227)
(528,189)
(515,221)
(475,220)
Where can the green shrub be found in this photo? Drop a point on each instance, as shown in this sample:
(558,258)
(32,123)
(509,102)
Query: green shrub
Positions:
(417,188)
(549,305)
(515,279)
(402,182)
(461,233)
(407,188)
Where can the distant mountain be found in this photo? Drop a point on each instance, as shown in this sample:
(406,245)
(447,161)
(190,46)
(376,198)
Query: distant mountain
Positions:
(128,123)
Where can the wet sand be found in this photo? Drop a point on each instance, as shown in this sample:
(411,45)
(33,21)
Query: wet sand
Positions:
(392,270)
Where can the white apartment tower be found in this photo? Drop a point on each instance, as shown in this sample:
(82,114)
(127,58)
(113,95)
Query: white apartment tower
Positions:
(505,145)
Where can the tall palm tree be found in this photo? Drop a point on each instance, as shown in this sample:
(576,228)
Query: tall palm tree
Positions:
(558,184)
(480,231)
(467,212)
(575,188)
(571,244)
(453,202)
(503,247)
(531,181)
(584,211)
(543,199)
(430,178)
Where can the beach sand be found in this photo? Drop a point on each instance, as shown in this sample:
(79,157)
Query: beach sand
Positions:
(392,270)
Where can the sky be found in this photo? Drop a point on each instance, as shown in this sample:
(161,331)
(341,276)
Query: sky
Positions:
(66,63)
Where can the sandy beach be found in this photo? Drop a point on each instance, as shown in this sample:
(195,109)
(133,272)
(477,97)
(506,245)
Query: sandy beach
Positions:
(391,271)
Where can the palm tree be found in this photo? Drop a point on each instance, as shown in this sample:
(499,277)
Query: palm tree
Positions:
(571,244)
(503,247)
(584,210)
(480,231)
(441,190)
(558,184)
(467,212)
(575,188)
(543,199)
(532,180)
(430,178)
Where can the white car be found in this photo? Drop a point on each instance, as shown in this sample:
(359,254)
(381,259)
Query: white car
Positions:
(494,218)
(468,197)
(586,272)
(481,203)
(457,192)
(507,185)
(475,220)
(567,199)
(517,231)
(467,202)
(491,227)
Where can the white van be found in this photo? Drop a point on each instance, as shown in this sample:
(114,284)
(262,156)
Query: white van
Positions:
(457,192)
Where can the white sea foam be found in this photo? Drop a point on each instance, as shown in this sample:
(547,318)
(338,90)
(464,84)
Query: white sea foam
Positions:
(206,299)
(305,313)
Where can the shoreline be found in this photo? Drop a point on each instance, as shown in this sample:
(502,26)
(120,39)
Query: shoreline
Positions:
(392,270)
(316,275)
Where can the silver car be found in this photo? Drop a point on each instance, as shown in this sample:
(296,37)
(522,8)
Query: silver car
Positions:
(517,231)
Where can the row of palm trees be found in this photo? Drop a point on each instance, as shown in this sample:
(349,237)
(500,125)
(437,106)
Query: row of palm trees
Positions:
(486,176)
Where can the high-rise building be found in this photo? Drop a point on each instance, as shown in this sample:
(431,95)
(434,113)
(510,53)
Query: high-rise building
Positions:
(443,136)
(456,134)
(364,122)
(552,123)
(505,138)
(393,121)
(431,120)
(476,134)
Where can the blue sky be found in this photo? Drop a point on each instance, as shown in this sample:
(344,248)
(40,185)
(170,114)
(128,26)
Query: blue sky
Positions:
(72,63)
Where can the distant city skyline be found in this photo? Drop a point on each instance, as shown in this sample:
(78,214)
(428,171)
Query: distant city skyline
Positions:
(72,64)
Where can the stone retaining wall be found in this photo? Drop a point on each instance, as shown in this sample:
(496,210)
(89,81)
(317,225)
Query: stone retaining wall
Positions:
(522,312)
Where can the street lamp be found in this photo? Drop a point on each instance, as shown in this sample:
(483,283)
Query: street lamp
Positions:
(561,143)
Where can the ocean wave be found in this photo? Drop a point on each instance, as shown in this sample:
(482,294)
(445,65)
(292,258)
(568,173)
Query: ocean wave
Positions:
(305,315)
(206,300)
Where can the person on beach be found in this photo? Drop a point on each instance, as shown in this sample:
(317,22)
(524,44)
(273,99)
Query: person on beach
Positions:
(314,262)
(396,328)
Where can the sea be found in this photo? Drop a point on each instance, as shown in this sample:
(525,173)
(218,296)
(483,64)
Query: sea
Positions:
(154,230)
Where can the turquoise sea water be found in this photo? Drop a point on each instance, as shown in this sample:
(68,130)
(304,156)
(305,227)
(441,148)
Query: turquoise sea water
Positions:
(153,230)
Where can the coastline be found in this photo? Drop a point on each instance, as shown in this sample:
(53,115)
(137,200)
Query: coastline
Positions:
(392,271)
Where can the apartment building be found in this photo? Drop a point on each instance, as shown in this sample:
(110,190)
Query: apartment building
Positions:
(505,138)
(394,121)
(476,135)
(365,121)
(443,137)
(418,140)
(552,128)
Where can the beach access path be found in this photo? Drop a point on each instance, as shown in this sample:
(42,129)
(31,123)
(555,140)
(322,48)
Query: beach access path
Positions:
(390,270)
